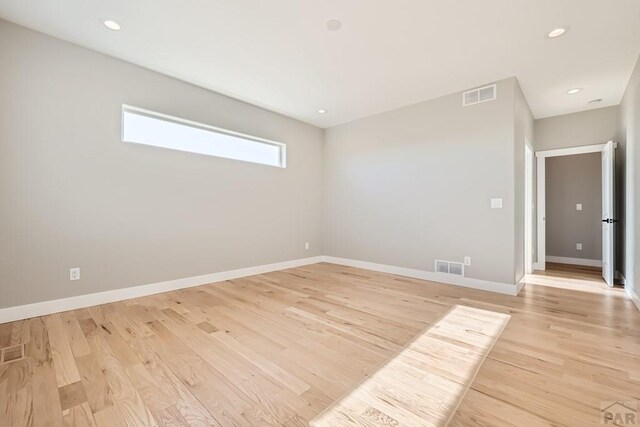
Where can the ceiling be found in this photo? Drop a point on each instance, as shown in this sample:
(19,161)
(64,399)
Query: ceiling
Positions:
(278,54)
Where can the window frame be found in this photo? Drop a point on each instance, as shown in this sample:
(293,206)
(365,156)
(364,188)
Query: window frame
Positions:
(282,147)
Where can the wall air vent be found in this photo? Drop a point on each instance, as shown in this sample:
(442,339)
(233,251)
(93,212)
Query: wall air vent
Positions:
(481,94)
(450,267)
(442,266)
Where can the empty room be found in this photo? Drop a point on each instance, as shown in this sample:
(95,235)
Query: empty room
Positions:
(319,213)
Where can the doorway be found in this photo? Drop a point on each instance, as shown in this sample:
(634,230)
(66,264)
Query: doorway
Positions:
(575,216)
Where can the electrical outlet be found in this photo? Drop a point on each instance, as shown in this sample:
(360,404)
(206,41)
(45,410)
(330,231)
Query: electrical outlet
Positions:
(467,260)
(306,246)
(496,203)
(74,273)
(579,246)
(579,206)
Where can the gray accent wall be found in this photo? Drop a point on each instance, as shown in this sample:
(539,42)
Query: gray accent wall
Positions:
(571,180)
(629,136)
(74,195)
(413,185)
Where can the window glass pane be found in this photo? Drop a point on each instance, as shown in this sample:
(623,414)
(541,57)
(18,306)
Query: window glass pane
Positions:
(144,128)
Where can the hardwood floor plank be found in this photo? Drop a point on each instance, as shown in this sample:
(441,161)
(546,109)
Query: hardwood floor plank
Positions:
(478,409)
(5,334)
(94,382)
(16,394)
(79,415)
(223,401)
(171,417)
(243,376)
(127,400)
(109,417)
(46,400)
(271,369)
(72,395)
(63,361)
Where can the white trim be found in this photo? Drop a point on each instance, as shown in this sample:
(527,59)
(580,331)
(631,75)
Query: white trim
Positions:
(537,266)
(596,148)
(541,186)
(575,261)
(633,297)
(467,282)
(43,308)
(64,304)
(540,213)
(529,161)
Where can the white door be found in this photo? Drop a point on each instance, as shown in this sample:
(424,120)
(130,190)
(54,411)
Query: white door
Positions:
(608,212)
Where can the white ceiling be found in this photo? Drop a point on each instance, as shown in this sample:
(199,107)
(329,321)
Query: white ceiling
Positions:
(279,55)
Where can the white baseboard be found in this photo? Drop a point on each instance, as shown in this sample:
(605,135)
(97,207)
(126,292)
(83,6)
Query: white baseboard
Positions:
(64,304)
(519,286)
(467,282)
(538,266)
(10,314)
(634,297)
(575,261)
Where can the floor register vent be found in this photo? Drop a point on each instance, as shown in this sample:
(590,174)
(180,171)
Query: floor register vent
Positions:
(450,267)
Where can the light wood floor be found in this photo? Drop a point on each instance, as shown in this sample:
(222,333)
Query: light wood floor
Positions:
(284,347)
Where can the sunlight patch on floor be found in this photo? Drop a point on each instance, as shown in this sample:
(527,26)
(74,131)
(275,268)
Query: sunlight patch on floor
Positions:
(573,283)
(423,383)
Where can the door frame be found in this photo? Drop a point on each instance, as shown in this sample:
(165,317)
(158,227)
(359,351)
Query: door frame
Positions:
(529,205)
(541,157)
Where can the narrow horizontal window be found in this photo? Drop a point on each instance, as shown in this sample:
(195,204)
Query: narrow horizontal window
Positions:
(159,130)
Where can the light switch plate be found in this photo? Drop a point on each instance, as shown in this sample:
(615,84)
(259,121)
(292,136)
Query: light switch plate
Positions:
(579,206)
(496,203)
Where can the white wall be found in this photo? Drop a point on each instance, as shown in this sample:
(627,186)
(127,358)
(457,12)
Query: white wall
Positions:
(629,136)
(74,195)
(577,129)
(413,185)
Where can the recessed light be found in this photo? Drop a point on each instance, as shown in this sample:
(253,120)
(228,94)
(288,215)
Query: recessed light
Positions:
(574,91)
(595,101)
(322,111)
(334,25)
(556,32)
(111,24)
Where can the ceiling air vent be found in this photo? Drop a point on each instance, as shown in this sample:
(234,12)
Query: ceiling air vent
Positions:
(481,94)
(450,267)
